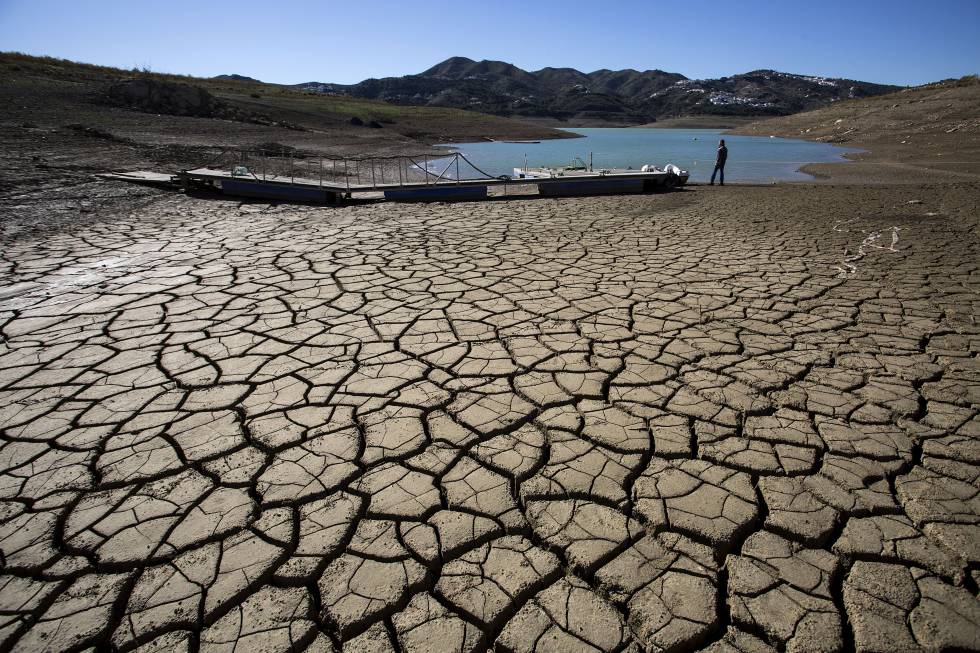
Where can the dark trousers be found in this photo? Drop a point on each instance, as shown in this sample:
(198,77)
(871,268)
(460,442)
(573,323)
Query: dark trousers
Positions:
(719,168)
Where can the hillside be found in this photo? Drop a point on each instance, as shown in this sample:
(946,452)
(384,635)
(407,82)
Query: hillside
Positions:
(147,108)
(934,127)
(603,96)
(237,78)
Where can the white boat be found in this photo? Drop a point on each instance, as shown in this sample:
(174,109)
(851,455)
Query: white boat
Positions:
(579,178)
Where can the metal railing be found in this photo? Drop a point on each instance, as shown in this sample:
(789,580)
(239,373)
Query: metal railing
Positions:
(282,164)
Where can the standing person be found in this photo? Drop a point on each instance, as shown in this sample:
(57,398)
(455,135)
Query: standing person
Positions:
(720,162)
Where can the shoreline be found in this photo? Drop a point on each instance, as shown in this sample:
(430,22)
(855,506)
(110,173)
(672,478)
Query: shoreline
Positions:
(803,169)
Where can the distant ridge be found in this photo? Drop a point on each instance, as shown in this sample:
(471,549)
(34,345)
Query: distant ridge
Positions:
(626,96)
(238,78)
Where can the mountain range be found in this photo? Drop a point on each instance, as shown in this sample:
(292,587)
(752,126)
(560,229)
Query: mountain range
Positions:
(623,96)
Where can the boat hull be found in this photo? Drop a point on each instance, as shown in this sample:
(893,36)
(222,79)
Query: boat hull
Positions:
(594,186)
(437,194)
(606,181)
(267,190)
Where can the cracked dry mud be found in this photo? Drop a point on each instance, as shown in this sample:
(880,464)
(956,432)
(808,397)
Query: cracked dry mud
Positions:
(605,424)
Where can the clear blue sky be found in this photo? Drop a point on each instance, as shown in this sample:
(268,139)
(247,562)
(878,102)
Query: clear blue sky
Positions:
(893,41)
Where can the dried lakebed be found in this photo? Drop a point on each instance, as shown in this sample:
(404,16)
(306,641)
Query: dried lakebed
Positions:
(602,424)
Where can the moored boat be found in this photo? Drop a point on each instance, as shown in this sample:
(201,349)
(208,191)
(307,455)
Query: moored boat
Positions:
(579,178)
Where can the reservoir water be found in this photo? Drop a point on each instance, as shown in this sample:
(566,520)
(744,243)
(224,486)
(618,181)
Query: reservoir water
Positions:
(750,158)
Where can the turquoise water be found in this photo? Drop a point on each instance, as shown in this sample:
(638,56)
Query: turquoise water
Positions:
(750,158)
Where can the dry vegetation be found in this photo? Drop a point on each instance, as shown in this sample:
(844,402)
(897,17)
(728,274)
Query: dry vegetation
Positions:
(50,92)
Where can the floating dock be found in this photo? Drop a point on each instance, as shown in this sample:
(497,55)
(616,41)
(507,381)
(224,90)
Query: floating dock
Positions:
(241,181)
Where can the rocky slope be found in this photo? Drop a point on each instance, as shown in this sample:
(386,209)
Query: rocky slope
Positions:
(628,96)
